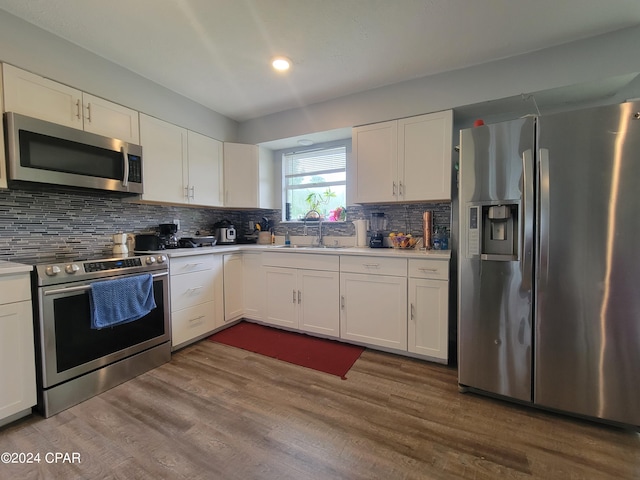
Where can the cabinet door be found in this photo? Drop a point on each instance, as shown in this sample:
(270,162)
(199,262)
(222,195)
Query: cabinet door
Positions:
(3,163)
(110,119)
(39,97)
(373,309)
(424,154)
(17,359)
(428,328)
(233,287)
(281,297)
(241,175)
(205,170)
(254,285)
(164,151)
(375,148)
(319,302)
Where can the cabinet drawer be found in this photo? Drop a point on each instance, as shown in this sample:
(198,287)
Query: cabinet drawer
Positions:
(375,265)
(14,288)
(192,263)
(308,261)
(192,289)
(434,269)
(192,322)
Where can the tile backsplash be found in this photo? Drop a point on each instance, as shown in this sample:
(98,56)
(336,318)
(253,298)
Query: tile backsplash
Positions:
(41,222)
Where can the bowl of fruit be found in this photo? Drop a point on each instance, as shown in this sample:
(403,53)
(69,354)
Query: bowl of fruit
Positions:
(401,240)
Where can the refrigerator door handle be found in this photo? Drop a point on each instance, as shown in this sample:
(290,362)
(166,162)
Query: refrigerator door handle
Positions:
(543,219)
(526,231)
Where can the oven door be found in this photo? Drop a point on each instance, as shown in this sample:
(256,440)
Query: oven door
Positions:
(69,347)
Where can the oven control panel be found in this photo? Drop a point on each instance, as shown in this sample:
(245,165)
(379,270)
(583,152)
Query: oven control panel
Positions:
(101,266)
(85,270)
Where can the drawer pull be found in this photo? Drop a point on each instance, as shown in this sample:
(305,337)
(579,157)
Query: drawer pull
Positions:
(371,265)
(424,269)
(196,319)
(195,289)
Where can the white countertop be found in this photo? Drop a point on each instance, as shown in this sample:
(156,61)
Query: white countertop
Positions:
(9,268)
(381,252)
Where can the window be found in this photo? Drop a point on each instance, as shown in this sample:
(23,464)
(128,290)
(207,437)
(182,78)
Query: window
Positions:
(315,180)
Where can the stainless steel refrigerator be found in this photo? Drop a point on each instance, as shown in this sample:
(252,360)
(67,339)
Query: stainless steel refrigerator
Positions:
(549,261)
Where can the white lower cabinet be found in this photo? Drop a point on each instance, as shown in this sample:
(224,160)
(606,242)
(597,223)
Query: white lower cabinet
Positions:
(374,309)
(373,301)
(281,296)
(253,285)
(305,299)
(428,332)
(196,297)
(233,287)
(17,357)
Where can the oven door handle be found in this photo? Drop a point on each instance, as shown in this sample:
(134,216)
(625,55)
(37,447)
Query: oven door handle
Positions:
(82,288)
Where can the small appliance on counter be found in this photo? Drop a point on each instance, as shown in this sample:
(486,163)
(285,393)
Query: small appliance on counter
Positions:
(148,242)
(197,241)
(120,245)
(168,237)
(225,232)
(378,223)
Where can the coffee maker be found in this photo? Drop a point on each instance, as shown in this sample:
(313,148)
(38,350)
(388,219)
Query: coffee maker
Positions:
(378,223)
(168,238)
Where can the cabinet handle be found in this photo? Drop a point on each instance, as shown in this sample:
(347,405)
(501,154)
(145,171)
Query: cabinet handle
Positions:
(342,302)
(394,189)
(195,289)
(413,312)
(299,296)
(192,320)
(193,192)
(425,269)
(186,192)
(78,109)
(294,296)
(401,189)
(89,112)
(371,265)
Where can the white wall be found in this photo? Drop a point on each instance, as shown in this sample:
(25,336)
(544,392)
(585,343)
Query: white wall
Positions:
(593,59)
(38,51)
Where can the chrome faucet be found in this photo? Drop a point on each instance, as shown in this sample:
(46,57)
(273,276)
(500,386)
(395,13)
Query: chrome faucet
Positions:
(319,232)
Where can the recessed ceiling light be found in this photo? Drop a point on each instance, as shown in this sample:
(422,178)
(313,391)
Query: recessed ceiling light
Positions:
(281,64)
(305,142)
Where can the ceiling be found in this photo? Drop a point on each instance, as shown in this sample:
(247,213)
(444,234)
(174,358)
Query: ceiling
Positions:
(216,52)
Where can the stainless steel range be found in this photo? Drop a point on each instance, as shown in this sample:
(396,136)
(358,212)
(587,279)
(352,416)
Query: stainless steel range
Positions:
(76,361)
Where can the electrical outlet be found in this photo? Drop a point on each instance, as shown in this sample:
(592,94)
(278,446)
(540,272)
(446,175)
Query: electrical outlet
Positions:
(176,222)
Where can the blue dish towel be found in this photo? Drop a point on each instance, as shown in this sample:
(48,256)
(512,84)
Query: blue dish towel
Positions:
(123,300)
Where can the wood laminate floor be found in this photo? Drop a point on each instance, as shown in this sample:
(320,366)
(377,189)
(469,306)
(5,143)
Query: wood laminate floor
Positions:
(217,412)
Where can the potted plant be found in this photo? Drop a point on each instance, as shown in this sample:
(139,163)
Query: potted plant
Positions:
(315,200)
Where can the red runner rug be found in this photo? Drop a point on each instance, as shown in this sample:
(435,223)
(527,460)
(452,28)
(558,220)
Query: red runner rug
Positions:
(320,354)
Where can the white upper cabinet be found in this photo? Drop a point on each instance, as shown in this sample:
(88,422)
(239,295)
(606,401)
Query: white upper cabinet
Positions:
(179,166)
(204,172)
(407,160)
(248,176)
(110,119)
(39,97)
(164,148)
(375,150)
(241,175)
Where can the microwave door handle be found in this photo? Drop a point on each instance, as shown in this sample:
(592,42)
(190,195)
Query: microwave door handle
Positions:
(125,160)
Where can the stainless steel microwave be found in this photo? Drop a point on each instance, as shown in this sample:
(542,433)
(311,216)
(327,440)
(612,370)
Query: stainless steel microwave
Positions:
(44,152)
